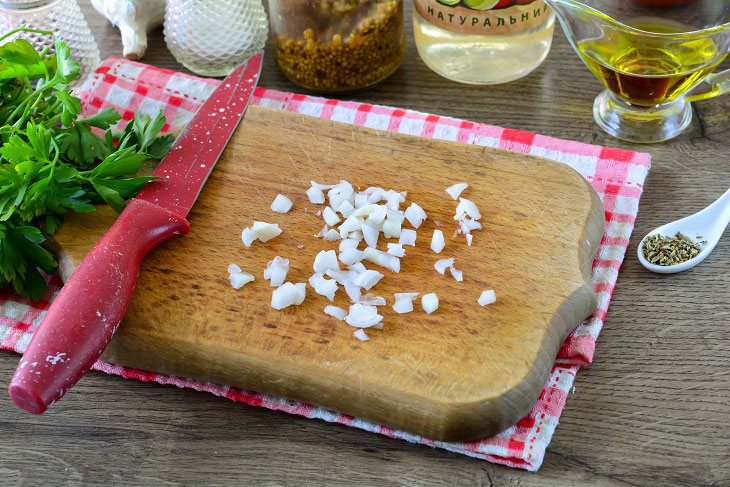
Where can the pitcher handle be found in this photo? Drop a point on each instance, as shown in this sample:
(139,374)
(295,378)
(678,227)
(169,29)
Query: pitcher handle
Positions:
(719,85)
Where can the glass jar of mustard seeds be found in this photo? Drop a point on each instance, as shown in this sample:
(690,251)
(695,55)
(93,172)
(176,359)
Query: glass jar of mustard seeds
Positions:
(337,45)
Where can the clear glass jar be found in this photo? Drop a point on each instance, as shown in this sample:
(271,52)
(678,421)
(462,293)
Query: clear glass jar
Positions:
(213,37)
(62,17)
(483,42)
(337,45)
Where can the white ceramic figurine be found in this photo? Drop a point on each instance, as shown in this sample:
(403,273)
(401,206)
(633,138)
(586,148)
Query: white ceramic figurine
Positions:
(134,18)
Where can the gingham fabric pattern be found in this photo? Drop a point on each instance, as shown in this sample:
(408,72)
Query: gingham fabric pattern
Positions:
(618,177)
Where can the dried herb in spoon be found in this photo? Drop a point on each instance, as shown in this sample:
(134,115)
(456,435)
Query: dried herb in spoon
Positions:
(665,250)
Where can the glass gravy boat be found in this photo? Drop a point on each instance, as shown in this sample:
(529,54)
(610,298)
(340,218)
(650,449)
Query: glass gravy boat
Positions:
(653,57)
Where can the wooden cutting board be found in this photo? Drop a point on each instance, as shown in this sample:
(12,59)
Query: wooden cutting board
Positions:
(460,373)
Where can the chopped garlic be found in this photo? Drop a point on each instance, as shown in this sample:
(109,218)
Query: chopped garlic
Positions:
(455,190)
(394,199)
(276,271)
(437,241)
(342,277)
(342,191)
(487,297)
(361,200)
(326,260)
(382,259)
(407,237)
(322,232)
(371,235)
(247,236)
(288,294)
(456,273)
(323,287)
(281,204)
(239,279)
(322,187)
(363,316)
(367,210)
(372,300)
(392,225)
(374,194)
(404,302)
(346,208)
(378,215)
(442,264)
(430,302)
(357,268)
(396,249)
(469,238)
(265,231)
(468,225)
(357,236)
(335,312)
(348,243)
(353,291)
(332,235)
(330,217)
(467,207)
(352,224)
(415,215)
(351,256)
(367,279)
(361,335)
(315,195)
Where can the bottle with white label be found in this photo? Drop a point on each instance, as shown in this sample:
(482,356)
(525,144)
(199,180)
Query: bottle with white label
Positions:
(483,42)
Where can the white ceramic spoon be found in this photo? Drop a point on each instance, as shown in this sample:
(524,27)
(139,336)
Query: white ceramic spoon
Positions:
(710,223)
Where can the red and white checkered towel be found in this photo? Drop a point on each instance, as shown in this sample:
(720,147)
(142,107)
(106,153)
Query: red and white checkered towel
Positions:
(616,175)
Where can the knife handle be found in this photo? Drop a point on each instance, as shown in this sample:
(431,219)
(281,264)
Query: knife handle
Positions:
(84,316)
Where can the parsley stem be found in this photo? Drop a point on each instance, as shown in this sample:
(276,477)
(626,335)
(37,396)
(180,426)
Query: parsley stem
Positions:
(36,98)
(51,108)
(57,156)
(23,28)
(31,98)
(51,121)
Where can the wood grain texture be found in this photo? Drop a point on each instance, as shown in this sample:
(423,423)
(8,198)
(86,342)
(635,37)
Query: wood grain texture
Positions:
(652,410)
(462,373)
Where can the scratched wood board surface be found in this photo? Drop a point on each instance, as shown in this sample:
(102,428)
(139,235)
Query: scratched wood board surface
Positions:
(463,372)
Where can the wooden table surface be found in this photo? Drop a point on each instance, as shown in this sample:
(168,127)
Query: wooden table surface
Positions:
(653,409)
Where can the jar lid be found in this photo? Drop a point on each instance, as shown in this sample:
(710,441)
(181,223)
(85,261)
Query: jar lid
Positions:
(23,4)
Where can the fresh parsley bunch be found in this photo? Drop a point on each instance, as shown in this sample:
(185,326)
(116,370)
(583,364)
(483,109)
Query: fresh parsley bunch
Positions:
(50,160)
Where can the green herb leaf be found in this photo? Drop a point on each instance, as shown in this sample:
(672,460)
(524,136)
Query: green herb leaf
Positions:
(49,168)
(19,59)
(101,120)
(111,197)
(71,107)
(142,131)
(16,150)
(53,221)
(82,146)
(161,146)
(67,69)
(121,163)
(20,258)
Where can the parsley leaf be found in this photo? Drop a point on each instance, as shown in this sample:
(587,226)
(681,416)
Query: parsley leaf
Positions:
(19,58)
(52,161)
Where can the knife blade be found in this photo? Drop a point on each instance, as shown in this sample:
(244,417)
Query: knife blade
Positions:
(89,308)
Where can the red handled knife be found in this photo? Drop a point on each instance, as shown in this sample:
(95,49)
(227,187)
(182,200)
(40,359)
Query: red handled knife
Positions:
(84,316)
